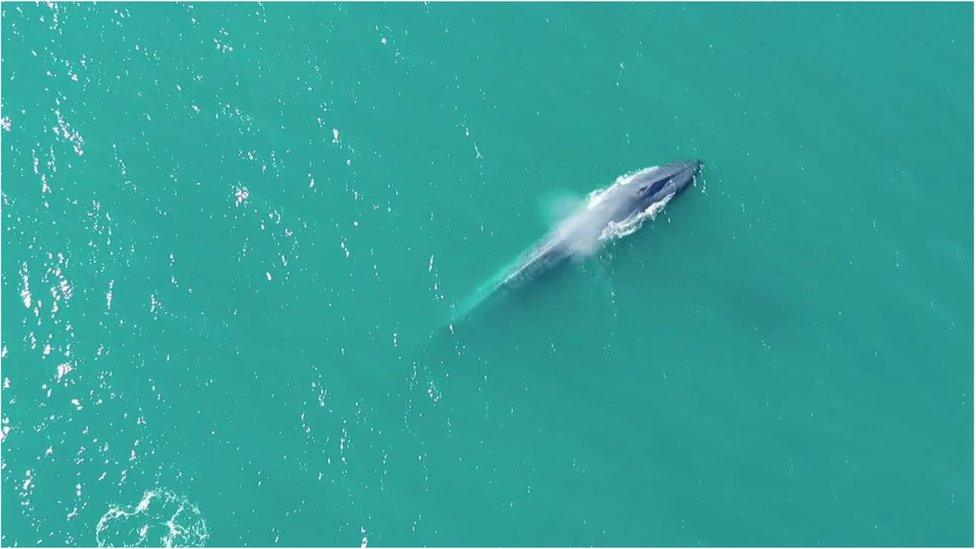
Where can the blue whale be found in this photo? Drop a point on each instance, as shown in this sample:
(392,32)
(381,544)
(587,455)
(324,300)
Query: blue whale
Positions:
(610,213)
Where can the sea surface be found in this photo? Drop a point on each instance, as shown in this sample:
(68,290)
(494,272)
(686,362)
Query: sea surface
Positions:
(236,238)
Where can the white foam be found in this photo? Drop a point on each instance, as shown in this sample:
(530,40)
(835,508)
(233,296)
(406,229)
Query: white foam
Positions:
(631,224)
(63,370)
(160,518)
(25,292)
(599,195)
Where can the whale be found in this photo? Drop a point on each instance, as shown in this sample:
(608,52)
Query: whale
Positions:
(609,213)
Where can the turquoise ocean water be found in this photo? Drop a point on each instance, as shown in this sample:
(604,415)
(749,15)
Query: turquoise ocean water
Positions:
(234,236)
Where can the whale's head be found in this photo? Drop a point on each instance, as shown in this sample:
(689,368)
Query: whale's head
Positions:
(666,181)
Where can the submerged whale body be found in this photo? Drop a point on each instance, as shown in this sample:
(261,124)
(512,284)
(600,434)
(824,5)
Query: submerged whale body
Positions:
(616,211)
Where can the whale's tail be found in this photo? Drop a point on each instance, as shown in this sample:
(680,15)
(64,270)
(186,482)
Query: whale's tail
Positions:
(483,293)
(529,265)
